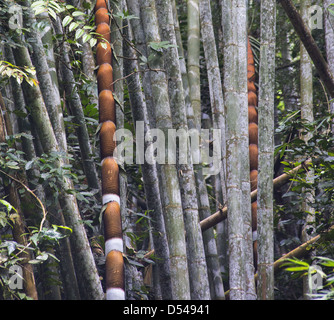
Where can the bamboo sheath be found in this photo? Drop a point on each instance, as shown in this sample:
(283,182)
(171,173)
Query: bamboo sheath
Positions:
(110,172)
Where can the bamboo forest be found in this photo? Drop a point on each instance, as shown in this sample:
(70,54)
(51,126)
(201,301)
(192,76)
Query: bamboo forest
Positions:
(166,150)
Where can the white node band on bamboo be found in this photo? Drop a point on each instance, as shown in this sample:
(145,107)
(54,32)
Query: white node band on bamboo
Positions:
(113,244)
(255,235)
(111,197)
(115,294)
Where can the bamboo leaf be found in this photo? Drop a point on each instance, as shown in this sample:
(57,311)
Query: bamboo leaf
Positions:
(293,269)
(327,262)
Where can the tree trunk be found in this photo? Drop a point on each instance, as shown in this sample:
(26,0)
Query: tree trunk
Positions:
(83,258)
(49,90)
(73,98)
(198,277)
(193,52)
(140,43)
(194,122)
(218,114)
(169,184)
(150,175)
(235,96)
(306,101)
(19,232)
(54,217)
(266,152)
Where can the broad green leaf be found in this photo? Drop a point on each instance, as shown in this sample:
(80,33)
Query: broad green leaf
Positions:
(42,257)
(34,239)
(158,46)
(7,205)
(3,219)
(11,246)
(77,13)
(79,33)
(39,10)
(30,81)
(34,261)
(31,70)
(29,164)
(73,26)
(52,13)
(86,37)
(92,42)
(143,58)
(55,5)
(38,3)
(67,20)
(53,256)
(135,263)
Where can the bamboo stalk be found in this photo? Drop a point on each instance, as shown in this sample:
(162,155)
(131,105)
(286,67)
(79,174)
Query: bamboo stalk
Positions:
(112,220)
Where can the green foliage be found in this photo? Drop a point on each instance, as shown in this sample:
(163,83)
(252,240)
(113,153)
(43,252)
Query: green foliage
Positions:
(290,216)
(10,250)
(74,19)
(322,267)
(39,237)
(159,46)
(6,217)
(8,70)
(320,149)
(157,52)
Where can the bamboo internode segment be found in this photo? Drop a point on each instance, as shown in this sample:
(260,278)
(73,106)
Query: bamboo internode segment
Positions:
(104,77)
(109,175)
(107,142)
(106,106)
(103,53)
(253,140)
(110,172)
